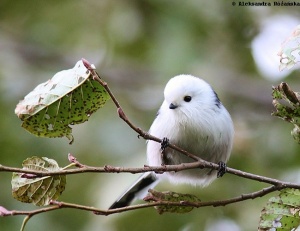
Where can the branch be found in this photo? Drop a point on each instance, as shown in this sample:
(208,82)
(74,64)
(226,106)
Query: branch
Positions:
(155,201)
(123,116)
(157,169)
(201,163)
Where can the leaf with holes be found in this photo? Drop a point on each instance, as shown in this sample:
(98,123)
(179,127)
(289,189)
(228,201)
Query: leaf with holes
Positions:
(186,200)
(38,190)
(69,98)
(281,212)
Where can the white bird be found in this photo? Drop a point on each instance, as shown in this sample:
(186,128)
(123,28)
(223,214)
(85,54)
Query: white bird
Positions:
(192,118)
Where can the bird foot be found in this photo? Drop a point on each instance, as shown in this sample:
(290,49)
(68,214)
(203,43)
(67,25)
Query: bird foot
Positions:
(222,169)
(164,144)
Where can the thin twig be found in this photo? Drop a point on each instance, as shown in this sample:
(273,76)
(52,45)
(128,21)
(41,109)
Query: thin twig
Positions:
(157,169)
(61,205)
(123,116)
(145,135)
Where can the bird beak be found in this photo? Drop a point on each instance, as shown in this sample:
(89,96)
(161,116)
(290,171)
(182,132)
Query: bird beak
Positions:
(172,106)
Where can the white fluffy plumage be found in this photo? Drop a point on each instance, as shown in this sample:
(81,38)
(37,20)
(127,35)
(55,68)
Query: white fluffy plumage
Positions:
(193,118)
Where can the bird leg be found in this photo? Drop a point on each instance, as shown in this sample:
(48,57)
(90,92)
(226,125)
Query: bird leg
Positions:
(164,144)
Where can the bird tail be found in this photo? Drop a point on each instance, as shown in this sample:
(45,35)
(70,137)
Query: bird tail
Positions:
(138,190)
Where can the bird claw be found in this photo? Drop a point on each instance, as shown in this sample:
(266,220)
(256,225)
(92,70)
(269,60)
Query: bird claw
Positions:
(222,169)
(164,144)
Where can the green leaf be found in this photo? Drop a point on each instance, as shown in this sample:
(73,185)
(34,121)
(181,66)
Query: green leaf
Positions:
(69,98)
(185,199)
(282,211)
(38,190)
(287,105)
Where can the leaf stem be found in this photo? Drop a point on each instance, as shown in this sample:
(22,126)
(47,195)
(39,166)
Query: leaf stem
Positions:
(25,220)
(69,166)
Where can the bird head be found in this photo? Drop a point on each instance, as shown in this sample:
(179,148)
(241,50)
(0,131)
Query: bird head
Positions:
(189,94)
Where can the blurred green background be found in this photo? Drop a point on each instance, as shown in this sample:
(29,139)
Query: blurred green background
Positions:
(137,46)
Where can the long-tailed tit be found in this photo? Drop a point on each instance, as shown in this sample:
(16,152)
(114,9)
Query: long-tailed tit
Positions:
(193,118)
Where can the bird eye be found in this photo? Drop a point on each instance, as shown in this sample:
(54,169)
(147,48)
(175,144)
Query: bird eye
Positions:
(187,98)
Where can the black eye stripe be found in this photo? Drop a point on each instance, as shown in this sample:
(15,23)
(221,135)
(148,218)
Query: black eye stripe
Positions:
(187,98)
